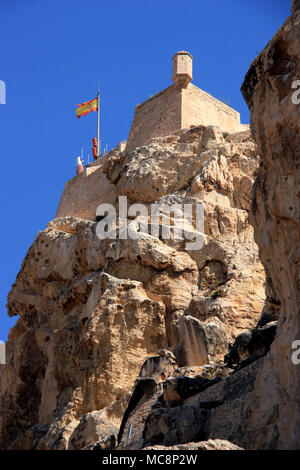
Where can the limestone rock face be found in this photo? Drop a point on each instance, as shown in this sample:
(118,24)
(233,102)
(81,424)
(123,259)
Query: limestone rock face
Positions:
(177,389)
(103,323)
(86,337)
(169,164)
(159,367)
(256,342)
(195,165)
(200,343)
(92,428)
(275,121)
(180,424)
(185,409)
(210,444)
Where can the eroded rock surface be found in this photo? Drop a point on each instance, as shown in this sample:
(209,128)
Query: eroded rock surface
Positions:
(276,217)
(93,312)
(210,444)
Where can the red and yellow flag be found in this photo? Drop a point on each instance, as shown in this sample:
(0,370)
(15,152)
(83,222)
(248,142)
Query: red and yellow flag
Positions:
(87,107)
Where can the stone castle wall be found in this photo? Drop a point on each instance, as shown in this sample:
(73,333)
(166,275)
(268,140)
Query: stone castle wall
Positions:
(83,194)
(200,108)
(160,115)
(173,109)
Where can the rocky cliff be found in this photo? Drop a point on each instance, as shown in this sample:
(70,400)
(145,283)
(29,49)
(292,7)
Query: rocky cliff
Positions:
(93,311)
(145,342)
(268,89)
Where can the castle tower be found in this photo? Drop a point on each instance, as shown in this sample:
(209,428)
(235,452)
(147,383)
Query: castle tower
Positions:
(180,106)
(182,69)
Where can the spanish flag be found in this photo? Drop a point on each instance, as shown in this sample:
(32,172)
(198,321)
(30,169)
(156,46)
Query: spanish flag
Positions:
(87,107)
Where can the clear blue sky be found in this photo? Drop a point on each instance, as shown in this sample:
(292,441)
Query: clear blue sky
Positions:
(54,52)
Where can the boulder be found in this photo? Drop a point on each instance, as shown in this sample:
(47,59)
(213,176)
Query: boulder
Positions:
(92,428)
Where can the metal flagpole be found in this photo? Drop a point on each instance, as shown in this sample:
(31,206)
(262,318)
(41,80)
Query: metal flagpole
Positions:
(98,124)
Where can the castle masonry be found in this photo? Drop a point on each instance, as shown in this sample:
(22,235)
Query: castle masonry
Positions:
(180,106)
